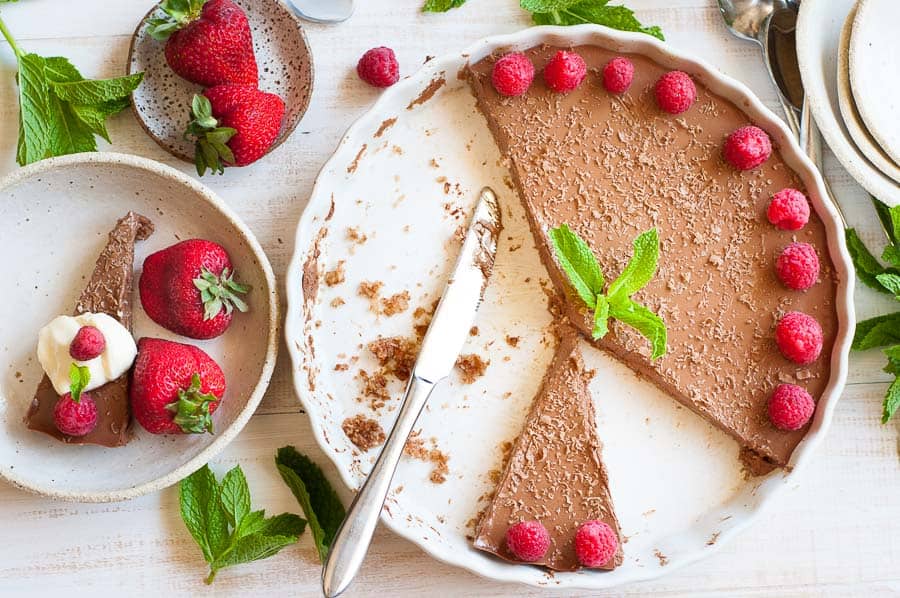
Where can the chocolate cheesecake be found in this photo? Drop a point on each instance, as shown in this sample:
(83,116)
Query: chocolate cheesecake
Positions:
(109,292)
(612,166)
(555,474)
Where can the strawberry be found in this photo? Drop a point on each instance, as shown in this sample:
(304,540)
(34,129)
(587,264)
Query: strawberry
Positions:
(175,388)
(189,288)
(209,41)
(234,124)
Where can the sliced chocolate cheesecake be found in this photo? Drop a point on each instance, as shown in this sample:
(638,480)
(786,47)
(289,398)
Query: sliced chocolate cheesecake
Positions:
(610,166)
(108,292)
(555,474)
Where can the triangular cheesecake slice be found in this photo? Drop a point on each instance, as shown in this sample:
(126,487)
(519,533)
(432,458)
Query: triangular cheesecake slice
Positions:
(555,473)
(613,166)
(109,292)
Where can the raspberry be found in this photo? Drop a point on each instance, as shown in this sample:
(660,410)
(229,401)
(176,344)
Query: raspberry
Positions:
(790,407)
(798,266)
(88,343)
(595,543)
(618,75)
(799,337)
(512,74)
(75,419)
(675,92)
(528,541)
(378,67)
(788,210)
(565,71)
(747,147)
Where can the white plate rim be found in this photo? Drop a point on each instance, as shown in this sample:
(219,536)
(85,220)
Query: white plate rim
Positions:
(223,437)
(832,128)
(860,134)
(388,103)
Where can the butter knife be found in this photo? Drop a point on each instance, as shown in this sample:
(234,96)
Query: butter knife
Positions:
(440,348)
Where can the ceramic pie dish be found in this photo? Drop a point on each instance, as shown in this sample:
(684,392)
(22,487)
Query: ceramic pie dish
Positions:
(385,208)
(57,213)
(162,102)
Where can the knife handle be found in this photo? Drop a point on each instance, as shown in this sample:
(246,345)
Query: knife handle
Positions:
(350,544)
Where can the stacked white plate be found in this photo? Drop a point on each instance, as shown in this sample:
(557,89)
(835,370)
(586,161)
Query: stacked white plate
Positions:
(849,60)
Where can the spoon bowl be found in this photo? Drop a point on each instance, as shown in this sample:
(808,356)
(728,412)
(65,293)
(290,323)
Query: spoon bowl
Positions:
(745,18)
(322,11)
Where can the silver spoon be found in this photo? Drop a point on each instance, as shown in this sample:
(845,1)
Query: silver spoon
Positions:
(322,11)
(748,20)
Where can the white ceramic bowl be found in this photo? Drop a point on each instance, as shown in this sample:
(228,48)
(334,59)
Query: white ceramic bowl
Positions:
(406,174)
(818,35)
(56,215)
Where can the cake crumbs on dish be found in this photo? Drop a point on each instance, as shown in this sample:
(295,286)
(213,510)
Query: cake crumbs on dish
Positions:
(363,432)
(370,289)
(471,367)
(337,302)
(473,331)
(663,559)
(512,341)
(357,237)
(336,276)
(341,367)
(396,355)
(374,388)
(415,448)
(395,304)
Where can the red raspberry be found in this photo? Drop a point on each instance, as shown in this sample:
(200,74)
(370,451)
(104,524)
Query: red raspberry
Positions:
(675,92)
(788,210)
(799,337)
(512,74)
(528,541)
(75,419)
(595,543)
(747,147)
(378,67)
(798,266)
(565,71)
(618,75)
(790,407)
(88,343)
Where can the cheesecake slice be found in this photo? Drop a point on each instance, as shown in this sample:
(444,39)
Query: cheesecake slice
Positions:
(109,292)
(613,166)
(555,472)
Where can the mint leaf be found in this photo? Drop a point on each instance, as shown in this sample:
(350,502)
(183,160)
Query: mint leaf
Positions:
(320,503)
(579,264)
(96,91)
(889,281)
(34,110)
(94,117)
(644,321)
(866,266)
(199,499)
(219,519)
(601,318)
(640,269)
(79,378)
(235,496)
(441,5)
(562,12)
(877,332)
(891,401)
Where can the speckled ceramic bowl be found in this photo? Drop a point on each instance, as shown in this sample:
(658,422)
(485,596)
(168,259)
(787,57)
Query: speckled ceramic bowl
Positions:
(56,215)
(162,102)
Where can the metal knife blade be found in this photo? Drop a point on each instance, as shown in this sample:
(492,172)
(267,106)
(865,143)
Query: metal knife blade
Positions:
(463,293)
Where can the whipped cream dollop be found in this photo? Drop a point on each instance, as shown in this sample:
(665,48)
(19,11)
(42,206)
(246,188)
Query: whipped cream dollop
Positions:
(53,350)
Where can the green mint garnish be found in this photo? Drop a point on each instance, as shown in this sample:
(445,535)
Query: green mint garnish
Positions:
(219,518)
(79,378)
(441,5)
(583,271)
(320,503)
(881,331)
(60,111)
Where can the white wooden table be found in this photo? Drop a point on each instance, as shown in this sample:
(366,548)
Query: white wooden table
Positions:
(837,533)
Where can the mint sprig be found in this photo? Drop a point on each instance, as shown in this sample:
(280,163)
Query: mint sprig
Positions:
(568,12)
(321,504)
(581,268)
(60,112)
(79,378)
(881,331)
(219,518)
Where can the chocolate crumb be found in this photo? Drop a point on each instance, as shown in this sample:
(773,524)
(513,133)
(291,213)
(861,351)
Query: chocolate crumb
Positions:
(365,433)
